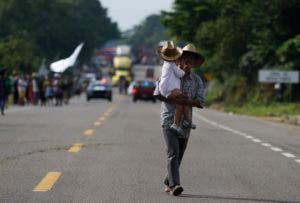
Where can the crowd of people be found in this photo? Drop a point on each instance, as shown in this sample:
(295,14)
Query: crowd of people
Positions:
(52,90)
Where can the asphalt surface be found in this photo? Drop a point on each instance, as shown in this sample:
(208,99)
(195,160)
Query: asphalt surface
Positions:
(229,158)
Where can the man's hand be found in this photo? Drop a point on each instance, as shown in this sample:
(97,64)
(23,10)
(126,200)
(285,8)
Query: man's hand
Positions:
(185,68)
(196,103)
(178,97)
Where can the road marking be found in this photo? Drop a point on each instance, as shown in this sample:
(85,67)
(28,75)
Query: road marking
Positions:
(106,114)
(110,109)
(47,183)
(266,144)
(102,118)
(276,149)
(89,132)
(289,155)
(244,134)
(256,140)
(97,123)
(75,148)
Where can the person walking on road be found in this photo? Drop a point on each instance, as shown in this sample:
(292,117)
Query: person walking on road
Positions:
(193,87)
(22,87)
(15,87)
(5,89)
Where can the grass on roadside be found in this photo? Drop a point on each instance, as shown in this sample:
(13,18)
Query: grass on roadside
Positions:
(264,110)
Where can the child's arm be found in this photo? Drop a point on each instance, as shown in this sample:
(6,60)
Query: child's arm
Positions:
(165,75)
(178,71)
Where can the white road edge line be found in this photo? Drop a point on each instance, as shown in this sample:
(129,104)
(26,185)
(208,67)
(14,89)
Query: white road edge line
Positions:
(266,144)
(257,140)
(289,155)
(276,149)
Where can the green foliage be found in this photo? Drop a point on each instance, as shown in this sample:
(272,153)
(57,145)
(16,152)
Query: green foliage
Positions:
(149,33)
(56,27)
(187,15)
(289,52)
(18,52)
(215,93)
(238,38)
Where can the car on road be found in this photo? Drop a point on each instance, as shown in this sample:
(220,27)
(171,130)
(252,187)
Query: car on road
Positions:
(130,87)
(99,89)
(143,90)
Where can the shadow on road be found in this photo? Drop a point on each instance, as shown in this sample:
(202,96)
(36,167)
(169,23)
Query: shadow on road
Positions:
(234,198)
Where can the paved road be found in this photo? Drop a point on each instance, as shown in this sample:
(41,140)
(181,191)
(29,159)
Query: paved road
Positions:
(122,159)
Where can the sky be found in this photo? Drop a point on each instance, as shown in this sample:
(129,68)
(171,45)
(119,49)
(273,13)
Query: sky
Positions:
(128,13)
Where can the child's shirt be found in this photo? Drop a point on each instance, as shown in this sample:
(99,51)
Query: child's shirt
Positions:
(170,78)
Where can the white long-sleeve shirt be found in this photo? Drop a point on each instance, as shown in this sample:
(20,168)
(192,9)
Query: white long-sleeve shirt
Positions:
(170,78)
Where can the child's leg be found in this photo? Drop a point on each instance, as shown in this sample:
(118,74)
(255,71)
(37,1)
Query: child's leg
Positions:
(187,118)
(186,113)
(178,110)
(177,114)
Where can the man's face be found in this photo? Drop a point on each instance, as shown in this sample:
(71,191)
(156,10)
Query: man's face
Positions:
(186,65)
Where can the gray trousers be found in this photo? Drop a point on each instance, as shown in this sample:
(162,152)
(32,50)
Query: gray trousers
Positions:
(175,150)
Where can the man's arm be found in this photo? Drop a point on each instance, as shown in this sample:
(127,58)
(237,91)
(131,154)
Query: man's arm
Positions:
(199,98)
(194,103)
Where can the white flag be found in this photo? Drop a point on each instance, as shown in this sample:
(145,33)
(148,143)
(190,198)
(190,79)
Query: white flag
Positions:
(62,65)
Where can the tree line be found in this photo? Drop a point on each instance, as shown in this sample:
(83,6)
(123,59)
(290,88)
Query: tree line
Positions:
(238,38)
(32,30)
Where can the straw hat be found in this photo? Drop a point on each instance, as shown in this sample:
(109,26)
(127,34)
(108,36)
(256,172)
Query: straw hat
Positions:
(169,51)
(190,49)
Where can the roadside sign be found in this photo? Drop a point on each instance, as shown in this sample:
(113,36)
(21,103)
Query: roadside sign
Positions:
(277,76)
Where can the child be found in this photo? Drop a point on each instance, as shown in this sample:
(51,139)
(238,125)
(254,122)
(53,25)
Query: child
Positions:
(170,83)
(49,92)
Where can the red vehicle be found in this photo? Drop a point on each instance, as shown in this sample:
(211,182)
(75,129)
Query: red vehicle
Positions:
(143,90)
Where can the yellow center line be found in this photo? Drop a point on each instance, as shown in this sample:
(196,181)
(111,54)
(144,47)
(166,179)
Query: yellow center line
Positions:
(47,183)
(110,109)
(75,148)
(89,132)
(102,118)
(97,123)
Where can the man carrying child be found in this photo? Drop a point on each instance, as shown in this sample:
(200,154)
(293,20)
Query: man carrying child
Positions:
(178,98)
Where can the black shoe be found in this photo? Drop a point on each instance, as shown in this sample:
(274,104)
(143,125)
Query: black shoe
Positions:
(187,125)
(177,130)
(177,190)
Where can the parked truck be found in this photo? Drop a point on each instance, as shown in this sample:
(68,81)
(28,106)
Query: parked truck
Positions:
(122,66)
